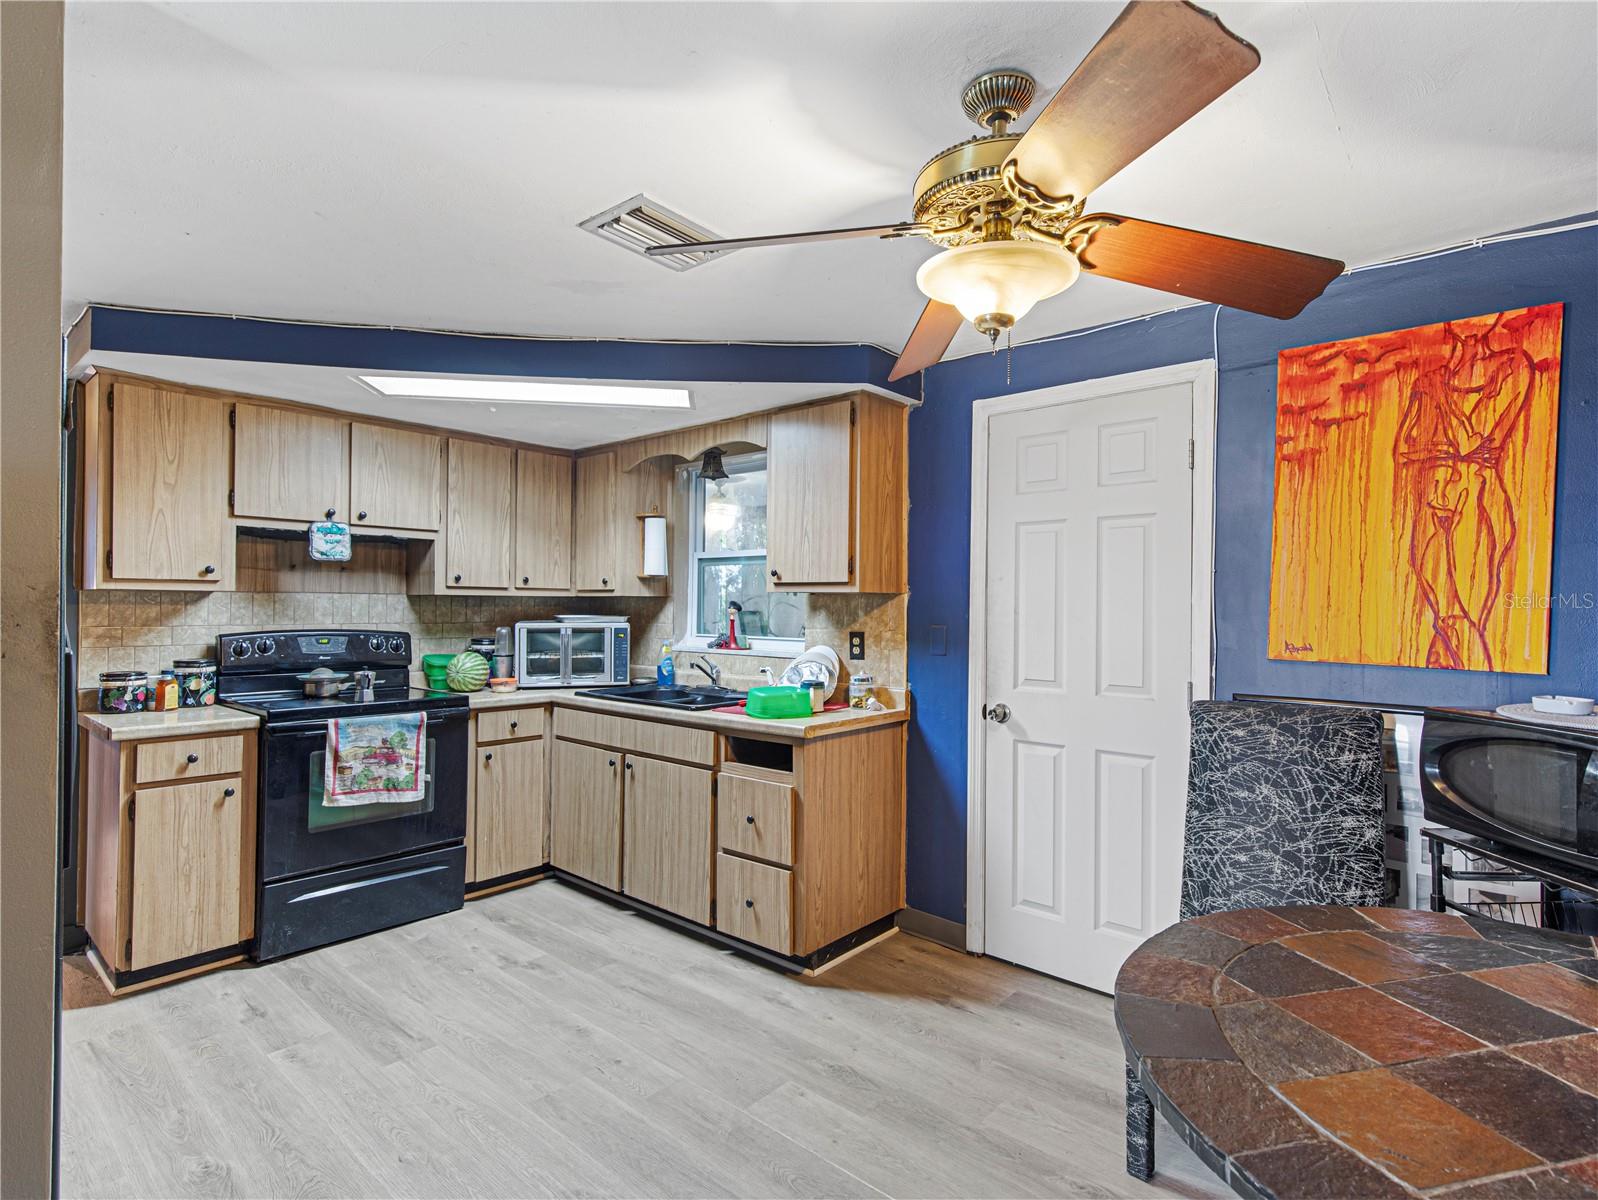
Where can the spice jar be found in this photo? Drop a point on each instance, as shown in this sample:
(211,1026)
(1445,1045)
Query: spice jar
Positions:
(861,688)
(196,681)
(164,693)
(123,691)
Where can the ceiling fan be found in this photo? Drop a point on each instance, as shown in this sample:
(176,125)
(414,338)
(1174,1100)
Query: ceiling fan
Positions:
(1008,208)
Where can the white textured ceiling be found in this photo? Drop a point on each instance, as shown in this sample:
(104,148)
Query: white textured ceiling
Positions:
(427,165)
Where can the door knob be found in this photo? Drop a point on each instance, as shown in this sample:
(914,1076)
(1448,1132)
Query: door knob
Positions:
(331,513)
(227,792)
(997,713)
(613,762)
(604,583)
(750,820)
(209,570)
(524,581)
(489,757)
(361,516)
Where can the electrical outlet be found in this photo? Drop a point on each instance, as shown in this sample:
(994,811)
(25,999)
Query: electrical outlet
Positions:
(857,644)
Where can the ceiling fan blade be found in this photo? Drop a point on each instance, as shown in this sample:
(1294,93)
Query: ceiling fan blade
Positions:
(934,330)
(1206,266)
(1157,65)
(902,229)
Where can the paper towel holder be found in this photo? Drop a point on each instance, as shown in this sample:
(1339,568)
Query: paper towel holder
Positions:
(652,546)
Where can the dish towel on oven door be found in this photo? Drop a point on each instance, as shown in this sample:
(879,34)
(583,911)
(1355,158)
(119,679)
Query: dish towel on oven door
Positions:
(376,760)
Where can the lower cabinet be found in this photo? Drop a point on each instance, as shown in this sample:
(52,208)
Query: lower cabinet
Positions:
(585,813)
(755,902)
(187,870)
(668,815)
(512,808)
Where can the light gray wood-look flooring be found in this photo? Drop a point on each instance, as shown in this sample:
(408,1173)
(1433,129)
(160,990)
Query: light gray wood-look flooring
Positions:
(543,1043)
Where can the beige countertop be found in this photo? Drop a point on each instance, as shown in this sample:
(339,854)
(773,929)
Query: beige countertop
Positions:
(845,720)
(140,726)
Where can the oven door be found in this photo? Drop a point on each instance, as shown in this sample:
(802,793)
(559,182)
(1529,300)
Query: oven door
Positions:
(300,834)
(540,660)
(588,655)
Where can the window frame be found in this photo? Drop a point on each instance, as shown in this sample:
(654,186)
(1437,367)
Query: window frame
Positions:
(691,639)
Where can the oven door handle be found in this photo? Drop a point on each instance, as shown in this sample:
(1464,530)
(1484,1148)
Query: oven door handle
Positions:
(434,721)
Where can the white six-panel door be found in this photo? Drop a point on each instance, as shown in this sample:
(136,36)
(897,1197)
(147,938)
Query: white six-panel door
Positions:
(1089,649)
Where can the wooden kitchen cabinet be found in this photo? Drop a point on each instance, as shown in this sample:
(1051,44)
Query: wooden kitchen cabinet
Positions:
(668,847)
(585,813)
(607,541)
(395,477)
(289,464)
(162,490)
(169,854)
(838,497)
(482,489)
(512,808)
(543,550)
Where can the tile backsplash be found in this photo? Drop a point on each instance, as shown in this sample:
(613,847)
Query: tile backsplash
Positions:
(126,630)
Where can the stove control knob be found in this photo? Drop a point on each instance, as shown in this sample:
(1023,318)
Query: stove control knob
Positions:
(265,646)
(376,643)
(239,649)
(396,645)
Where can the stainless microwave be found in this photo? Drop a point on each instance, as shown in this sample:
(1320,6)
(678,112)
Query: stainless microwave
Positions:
(572,653)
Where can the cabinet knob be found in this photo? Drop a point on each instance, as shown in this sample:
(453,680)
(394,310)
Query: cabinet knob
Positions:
(603,582)
(750,819)
(749,903)
(331,513)
(525,581)
(208,569)
(629,766)
(361,516)
(488,756)
(457,579)
(194,758)
(513,725)
(774,575)
(613,762)
(226,792)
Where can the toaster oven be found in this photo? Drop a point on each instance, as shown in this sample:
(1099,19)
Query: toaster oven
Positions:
(576,653)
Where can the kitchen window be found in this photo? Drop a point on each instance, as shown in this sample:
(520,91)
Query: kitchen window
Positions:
(727,562)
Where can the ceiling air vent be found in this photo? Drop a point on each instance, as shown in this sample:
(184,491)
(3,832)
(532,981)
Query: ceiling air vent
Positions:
(641,222)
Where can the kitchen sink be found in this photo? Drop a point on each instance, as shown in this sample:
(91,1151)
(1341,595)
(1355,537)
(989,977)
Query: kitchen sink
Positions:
(693,698)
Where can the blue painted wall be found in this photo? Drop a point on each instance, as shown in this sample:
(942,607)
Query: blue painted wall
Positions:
(1558,267)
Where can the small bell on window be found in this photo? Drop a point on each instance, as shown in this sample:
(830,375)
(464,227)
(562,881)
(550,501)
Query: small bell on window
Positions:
(710,467)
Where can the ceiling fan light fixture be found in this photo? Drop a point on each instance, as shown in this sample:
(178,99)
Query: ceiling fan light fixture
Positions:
(995,284)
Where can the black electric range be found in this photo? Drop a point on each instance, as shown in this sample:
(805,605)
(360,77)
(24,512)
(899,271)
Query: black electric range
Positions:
(328,872)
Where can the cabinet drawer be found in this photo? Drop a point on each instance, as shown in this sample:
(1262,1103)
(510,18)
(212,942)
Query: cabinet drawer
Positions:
(755,816)
(654,738)
(189,759)
(754,902)
(503,724)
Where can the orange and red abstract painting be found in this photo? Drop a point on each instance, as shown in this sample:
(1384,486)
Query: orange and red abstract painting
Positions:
(1415,495)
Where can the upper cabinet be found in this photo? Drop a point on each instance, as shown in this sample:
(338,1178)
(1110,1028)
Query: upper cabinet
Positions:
(289,464)
(542,554)
(157,502)
(394,478)
(482,491)
(838,496)
(607,538)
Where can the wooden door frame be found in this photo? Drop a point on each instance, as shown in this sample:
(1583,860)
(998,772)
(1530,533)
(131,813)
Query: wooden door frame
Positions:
(1201,375)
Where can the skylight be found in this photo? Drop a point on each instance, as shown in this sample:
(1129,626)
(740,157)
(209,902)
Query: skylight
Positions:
(526,391)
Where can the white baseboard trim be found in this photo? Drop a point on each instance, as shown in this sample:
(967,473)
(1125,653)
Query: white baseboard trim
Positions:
(932,927)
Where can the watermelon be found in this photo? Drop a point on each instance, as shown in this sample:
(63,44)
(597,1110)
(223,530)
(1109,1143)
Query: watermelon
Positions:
(467,672)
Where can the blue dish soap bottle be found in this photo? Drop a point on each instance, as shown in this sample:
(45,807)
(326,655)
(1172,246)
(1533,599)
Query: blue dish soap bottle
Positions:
(666,671)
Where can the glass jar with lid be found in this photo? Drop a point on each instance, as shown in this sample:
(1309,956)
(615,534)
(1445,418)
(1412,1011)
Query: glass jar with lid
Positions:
(196,681)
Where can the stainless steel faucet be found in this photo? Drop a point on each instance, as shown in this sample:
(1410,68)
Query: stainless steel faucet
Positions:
(710,669)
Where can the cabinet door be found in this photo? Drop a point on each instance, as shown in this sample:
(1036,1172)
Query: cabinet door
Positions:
(394,477)
(595,524)
(289,464)
(585,813)
(512,808)
(187,870)
(668,855)
(810,504)
(543,555)
(482,482)
(169,484)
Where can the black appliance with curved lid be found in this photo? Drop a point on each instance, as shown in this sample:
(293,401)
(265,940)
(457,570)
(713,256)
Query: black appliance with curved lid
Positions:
(325,873)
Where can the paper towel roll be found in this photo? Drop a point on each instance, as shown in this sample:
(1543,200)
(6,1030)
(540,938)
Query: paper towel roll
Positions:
(655,546)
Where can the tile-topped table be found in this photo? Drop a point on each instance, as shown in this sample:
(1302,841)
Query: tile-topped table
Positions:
(1325,1051)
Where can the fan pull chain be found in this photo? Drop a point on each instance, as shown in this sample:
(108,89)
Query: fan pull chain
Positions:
(1009,354)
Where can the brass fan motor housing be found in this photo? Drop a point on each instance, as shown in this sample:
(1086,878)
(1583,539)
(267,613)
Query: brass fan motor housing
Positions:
(964,185)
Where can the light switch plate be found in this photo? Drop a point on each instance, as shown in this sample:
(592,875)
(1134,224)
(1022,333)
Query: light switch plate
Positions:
(857,644)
